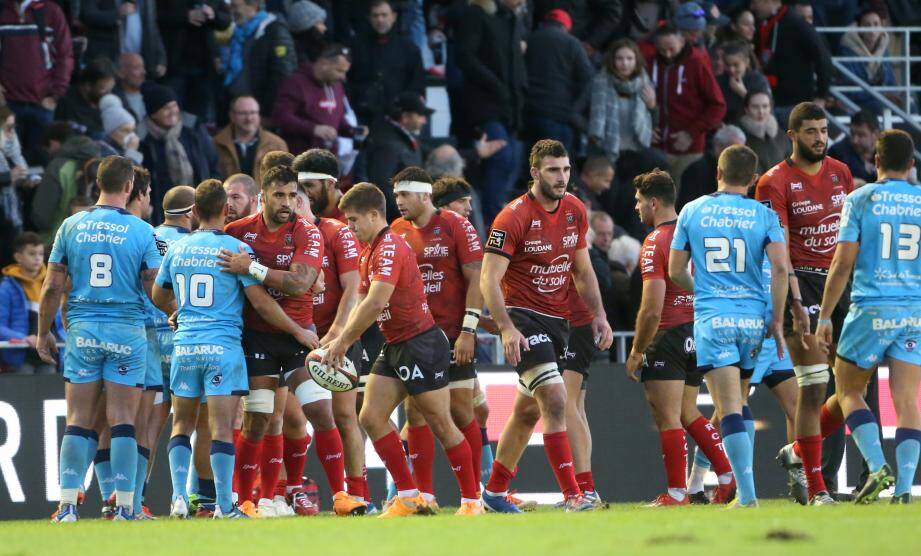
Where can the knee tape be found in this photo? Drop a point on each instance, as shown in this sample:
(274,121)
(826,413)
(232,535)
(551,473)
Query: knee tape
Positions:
(807,375)
(479,399)
(466,384)
(309,392)
(538,376)
(259,401)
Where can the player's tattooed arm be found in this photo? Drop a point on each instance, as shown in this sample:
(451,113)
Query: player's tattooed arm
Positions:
(295,281)
(50,302)
(148,275)
(587,285)
(273,314)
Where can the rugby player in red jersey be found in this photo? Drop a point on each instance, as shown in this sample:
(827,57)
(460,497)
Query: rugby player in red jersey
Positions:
(332,306)
(535,247)
(321,185)
(414,360)
(663,355)
(289,254)
(807,191)
(449,256)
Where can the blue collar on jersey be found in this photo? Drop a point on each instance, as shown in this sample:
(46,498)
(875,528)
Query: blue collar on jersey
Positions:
(180,229)
(718,193)
(110,207)
(215,232)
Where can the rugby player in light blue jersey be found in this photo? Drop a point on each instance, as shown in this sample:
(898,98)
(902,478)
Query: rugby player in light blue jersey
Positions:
(111,258)
(726,234)
(880,240)
(207,356)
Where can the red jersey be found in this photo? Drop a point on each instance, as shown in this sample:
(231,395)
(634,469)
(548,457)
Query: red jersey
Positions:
(809,206)
(296,242)
(442,248)
(541,247)
(340,255)
(336,214)
(678,305)
(391,260)
(579,313)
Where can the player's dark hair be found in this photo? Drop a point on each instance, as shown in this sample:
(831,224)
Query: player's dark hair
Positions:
(278,175)
(26,239)
(210,199)
(248,183)
(895,149)
(141,183)
(180,197)
(867,118)
(656,184)
(544,148)
(320,161)
(738,164)
(114,171)
(276,158)
(595,164)
(805,111)
(412,173)
(363,198)
(447,189)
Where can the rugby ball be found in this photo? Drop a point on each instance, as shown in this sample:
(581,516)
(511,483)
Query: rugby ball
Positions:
(340,379)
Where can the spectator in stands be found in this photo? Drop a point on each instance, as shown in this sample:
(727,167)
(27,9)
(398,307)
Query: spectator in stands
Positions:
(60,183)
(622,97)
(54,137)
(394,144)
(115,27)
(489,54)
(175,153)
(446,161)
(741,28)
(81,104)
(307,23)
(35,66)
(261,55)
(311,107)
(700,178)
(716,20)
(763,134)
(593,181)
(559,73)
(242,196)
(384,64)
(13,169)
(10,147)
(243,143)
(131,76)
(690,101)
(739,78)
(20,291)
(876,71)
(859,149)
(188,28)
(803,8)
(789,47)
(594,22)
(691,20)
(119,127)
(613,276)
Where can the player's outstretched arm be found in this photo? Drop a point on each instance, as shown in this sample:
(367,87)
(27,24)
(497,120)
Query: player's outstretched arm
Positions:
(295,281)
(678,269)
(587,286)
(48,305)
(779,257)
(273,314)
(349,283)
(367,311)
(647,322)
(494,267)
(838,274)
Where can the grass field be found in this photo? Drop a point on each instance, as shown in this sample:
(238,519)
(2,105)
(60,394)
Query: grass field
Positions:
(778,527)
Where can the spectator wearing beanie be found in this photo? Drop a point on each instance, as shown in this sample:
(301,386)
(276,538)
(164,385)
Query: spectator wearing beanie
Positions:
(559,73)
(243,143)
(595,23)
(307,23)
(114,27)
(119,126)
(174,153)
(81,104)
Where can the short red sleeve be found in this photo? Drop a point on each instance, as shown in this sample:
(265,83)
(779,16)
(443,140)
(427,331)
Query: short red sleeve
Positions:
(583,227)
(347,252)
(466,242)
(505,234)
(771,189)
(653,258)
(386,263)
(308,246)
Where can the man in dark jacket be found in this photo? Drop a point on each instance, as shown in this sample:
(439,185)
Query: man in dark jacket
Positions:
(81,104)
(114,27)
(174,153)
(489,54)
(394,144)
(699,179)
(789,47)
(36,60)
(559,74)
(261,56)
(60,184)
(384,64)
(188,28)
(859,149)
(594,22)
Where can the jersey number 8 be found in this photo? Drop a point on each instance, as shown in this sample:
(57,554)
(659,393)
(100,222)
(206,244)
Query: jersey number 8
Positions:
(100,270)
(718,252)
(201,290)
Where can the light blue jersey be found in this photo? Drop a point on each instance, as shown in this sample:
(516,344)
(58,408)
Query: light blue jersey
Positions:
(885,315)
(726,234)
(207,357)
(768,362)
(105,250)
(166,235)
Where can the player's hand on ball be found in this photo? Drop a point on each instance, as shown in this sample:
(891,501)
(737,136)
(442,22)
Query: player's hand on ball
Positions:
(334,353)
(824,332)
(235,263)
(513,342)
(463,348)
(775,329)
(602,333)
(634,364)
(47,348)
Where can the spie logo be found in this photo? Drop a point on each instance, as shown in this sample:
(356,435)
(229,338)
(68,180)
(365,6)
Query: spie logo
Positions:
(569,242)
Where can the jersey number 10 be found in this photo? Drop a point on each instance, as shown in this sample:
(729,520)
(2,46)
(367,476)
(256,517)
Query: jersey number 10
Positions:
(201,290)
(908,240)
(718,254)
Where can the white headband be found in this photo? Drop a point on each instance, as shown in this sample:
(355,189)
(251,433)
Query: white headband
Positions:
(179,211)
(301,176)
(412,187)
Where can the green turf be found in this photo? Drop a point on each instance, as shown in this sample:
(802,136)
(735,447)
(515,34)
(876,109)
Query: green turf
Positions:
(778,527)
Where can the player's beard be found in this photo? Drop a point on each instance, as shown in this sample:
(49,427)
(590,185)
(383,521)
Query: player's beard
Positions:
(808,154)
(280,217)
(318,206)
(547,190)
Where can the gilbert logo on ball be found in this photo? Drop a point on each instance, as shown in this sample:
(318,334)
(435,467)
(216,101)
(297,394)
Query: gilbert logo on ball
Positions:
(334,379)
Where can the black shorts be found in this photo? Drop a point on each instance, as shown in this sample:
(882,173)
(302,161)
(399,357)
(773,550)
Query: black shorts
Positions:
(811,287)
(421,362)
(579,352)
(672,356)
(546,336)
(371,343)
(272,353)
(460,373)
